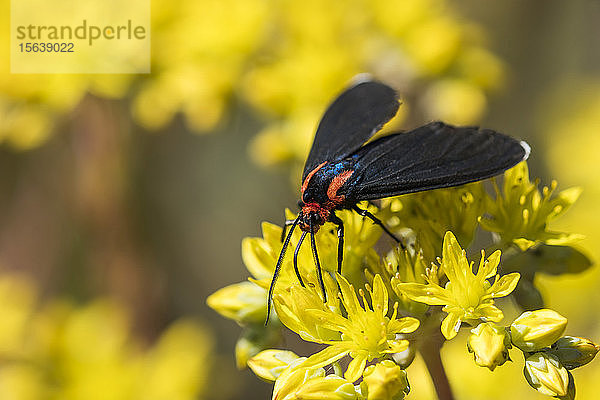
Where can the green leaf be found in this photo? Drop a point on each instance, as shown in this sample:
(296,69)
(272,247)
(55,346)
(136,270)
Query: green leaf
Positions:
(553,260)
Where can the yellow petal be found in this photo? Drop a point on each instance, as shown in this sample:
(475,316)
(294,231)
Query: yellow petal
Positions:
(403,325)
(489,312)
(288,316)
(326,356)
(356,367)
(505,285)
(257,258)
(292,378)
(272,233)
(380,295)
(329,320)
(350,300)
(291,306)
(455,264)
(428,294)
(451,325)
(397,346)
(330,387)
(492,264)
(269,364)
(243,302)
(545,374)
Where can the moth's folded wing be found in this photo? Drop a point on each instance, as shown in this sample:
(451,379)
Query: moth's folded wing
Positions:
(433,156)
(350,121)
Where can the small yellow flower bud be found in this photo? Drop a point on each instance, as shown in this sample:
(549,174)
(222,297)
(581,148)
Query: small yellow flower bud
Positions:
(544,373)
(489,344)
(534,330)
(243,302)
(386,381)
(269,364)
(330,387)
(574,352)
(292,378)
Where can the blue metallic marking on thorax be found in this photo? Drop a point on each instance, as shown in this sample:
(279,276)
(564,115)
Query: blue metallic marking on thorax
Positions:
(316,191)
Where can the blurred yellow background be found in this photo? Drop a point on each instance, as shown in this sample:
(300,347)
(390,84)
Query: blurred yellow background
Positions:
(124,198)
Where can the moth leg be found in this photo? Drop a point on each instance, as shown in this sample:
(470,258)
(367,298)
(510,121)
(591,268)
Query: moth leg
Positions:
(317,263)
(340,234)
(296,257)
(377,221)
(288,222)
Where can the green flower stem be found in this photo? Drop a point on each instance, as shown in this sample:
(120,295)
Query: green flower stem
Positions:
(430,347)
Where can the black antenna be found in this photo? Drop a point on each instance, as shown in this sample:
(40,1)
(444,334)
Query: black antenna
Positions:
(278,266)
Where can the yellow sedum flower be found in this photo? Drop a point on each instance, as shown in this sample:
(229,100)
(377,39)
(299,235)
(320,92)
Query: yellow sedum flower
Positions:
(385,381)
(520,197)
(467,297)
(291,305)
(489,344)
(534,330)
(366,332)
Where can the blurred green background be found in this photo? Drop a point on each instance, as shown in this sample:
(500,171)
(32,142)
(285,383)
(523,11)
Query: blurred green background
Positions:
(124,198)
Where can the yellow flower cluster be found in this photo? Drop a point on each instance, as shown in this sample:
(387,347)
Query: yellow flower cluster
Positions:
(285,58)
(520,197)
(246,303)
(365,333)
(431,214)
(60,351)
(549,358)
(371,335)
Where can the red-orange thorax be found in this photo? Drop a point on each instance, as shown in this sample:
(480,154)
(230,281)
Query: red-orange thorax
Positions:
(320,193)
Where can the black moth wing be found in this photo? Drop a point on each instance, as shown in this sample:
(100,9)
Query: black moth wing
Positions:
(350,121)
(433,156)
